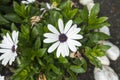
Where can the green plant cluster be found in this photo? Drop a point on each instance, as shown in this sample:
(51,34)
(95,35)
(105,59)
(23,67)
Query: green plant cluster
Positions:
(32,52)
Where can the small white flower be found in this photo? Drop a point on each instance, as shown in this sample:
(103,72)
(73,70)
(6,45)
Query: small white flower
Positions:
(104,60)
(1,77)
(106,73)
(28,1)
(65,39)
(8,48)
(113,53)
(105,30)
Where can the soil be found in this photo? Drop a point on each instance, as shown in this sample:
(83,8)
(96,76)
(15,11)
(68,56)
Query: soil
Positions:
(110,8)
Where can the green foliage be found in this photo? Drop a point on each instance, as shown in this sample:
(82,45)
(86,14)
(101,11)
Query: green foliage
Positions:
(33,58)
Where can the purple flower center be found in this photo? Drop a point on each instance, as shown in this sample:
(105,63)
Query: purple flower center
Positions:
(13,48)
(62,38)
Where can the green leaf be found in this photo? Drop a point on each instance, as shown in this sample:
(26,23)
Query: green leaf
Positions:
(72,74)
(20,9)
(63,60)
(93,60)
(37,43)
(13,27)
(95,10)
(102,19)
(55,69)
(95,25)
(3,20)
(77,69)
(13,17)
(94,13)
(97,36)
(104,47)
(40,52)
(84,14)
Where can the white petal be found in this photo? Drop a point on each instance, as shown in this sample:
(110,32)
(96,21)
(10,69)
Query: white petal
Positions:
(48,5)
(5,46)
(53,29)
(113,53)
(104,60)
(51,35)
(67,26)
(71,46)
(31,1)
(86,2)
(66,49)
(6,41)
(25,2)
(105,30)
(59,50)
(53,47)
(49,40)
(15,36)
(74,42)
(5,58)
(13,56)
(63,50)
(73,30)
(9,38)
(5,50)
(76,36)
(61,25)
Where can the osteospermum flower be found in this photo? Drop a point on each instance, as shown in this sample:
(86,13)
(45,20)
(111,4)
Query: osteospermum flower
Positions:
(64,39)
(8,48)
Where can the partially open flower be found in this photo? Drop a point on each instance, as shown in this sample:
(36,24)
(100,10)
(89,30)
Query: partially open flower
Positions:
(35,19)
(90,6)
(113,53)
(105,30)
(106,73)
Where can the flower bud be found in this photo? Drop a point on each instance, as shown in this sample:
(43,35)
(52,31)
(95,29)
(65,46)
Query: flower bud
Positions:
(113,52)
(105,30)
(104,60)
(106,73)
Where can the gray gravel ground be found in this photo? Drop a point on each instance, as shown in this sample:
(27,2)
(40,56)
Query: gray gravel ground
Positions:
(110,8)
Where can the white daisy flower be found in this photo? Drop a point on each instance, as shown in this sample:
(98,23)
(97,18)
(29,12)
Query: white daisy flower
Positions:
(28,1)
(1,77)
(8,48)
(64,39)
